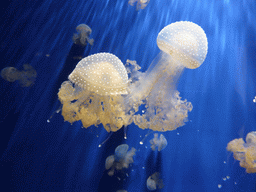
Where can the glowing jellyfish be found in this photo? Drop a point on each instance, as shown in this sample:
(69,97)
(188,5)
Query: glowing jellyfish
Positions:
(158,142)
(82,35)
(245,152)
(154,182)
(141,4)
(183,45)
(26,77)
(94,92)
(98,90)
(122,159)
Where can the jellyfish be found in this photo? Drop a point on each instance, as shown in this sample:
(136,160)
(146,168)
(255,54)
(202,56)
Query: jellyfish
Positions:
(82,35)
(101,90)
(121,159)
(183,45)
(93,93)
(141,4)
(245,152)
(158,143)
(154,182)
(26,77)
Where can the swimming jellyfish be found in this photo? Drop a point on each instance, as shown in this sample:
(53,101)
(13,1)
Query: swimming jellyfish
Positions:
(158,142)
(26,77)
(154,182)
(183,45)
(121,159)
(82,35)
(93,93)
(141,4)
(245,152)
(99,91)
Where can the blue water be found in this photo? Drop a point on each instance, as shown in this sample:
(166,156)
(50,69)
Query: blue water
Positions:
(57,156)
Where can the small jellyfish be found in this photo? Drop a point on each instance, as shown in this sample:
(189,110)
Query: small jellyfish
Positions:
(158,143)
(154,182)
(245,152)
(141,4)
(82,35)
(122,159)
(26,77)
(94,92)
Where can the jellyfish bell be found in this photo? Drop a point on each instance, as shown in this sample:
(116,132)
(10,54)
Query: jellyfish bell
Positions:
(94,92)
(185,41)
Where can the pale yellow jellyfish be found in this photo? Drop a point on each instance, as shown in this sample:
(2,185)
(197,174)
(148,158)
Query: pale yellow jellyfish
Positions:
(26,77)
(154,182)
(183,45)
(94,92)
(82,35)
(158,142)
(122,159)
(141,4)
(98,90)
(245,152)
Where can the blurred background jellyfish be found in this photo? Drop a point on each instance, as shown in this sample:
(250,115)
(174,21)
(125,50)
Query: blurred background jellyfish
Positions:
(158,142)
(121,159)
(183,45)
(154,182)
(26,77)
(82,35)
(245,152)
(141,4)
(94,92)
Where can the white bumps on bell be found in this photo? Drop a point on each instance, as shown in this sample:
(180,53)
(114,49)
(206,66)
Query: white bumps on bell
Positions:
(101,73)
(184,41)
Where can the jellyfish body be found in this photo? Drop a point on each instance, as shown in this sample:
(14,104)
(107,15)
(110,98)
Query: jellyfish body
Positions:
(245,152)
(82,35)
(183,45)
(26,77)
(158,142)
(122,159)
(99,91)
(154,182)
(141,4)
(94,92)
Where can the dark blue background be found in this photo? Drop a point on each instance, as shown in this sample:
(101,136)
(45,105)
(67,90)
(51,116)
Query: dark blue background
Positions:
(57,156)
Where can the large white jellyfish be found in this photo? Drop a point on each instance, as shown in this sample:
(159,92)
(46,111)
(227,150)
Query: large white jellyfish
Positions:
(82,35)
(94,92)
(122,159)
(99,91)
(245,152)
(158,142)
(183,45)
(26,77)
(141,4)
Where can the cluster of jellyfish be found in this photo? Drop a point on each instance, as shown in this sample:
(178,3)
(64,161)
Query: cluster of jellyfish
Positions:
(245,152)
(141,4)
(123,159)
(102,90)
(25,78)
